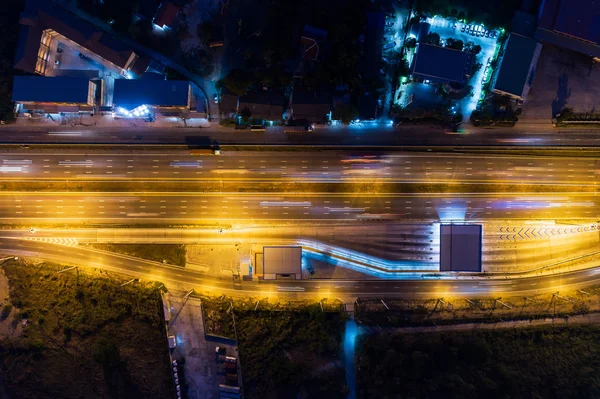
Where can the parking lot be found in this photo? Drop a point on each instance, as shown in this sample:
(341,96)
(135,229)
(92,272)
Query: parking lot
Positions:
(469,33)
(563,78)
(478,35)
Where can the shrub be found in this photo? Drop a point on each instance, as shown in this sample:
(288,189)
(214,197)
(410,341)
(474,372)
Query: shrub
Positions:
(6,311)
(228,122)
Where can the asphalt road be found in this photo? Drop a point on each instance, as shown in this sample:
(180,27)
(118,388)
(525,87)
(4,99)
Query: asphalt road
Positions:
(305,166)
(144,207)
(346,290)
(398,247)
(359,136)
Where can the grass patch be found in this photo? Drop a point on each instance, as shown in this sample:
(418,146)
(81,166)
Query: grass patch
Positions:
(548,362)
(84,335)
(218,317)
(429,312)
(173,254)
(290,353)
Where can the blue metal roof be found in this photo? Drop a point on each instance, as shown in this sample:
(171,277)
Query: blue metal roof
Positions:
(132,93)
(579,18)
(441,64)
(60,89)
(516,64)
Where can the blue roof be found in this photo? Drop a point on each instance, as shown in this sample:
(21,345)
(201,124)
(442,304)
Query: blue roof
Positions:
(579,18)
(135,92)
(60,89)
(516,64)
(441,64)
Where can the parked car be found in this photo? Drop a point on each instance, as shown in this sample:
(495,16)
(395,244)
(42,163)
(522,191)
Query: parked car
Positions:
(389,46)
(257,128)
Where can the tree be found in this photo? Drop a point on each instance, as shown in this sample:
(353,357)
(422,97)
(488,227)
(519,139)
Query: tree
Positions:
(433,38)
(461,15)
(245,114)
(476,67)
(345,113)
(410,43)
(455,44)
(206,32)
(237,81)
(5,311)
(472,48)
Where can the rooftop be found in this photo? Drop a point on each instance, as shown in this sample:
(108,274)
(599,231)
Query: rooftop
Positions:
(516,64)
(50,89)
(166,14)
(39,16)
(579,19)
(263,105)
(441,64)
(460,247)
(131,93)
(312,106)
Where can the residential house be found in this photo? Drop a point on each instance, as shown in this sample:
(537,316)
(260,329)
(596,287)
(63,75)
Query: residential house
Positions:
(314,107)
(266,106)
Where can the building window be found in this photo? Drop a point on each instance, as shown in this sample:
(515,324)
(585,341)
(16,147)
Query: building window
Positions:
(43,53)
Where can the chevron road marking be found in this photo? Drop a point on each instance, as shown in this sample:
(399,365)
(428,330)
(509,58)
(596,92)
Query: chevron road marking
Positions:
(68,242)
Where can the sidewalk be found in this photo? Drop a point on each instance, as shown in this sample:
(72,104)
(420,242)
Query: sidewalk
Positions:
(196,120)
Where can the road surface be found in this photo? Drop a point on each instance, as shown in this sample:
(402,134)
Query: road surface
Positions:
(383,136)
(188,208)
(153,165)
(346,290)
(393,247)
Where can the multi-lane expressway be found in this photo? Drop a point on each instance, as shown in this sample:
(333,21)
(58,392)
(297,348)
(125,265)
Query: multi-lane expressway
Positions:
(317,165)
(191,208)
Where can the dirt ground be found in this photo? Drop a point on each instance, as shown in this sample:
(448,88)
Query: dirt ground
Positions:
(217,259)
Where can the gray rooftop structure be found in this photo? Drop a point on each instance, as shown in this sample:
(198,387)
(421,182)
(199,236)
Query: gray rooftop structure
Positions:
(460,247)
(514,77)
(441,64)
(279,261)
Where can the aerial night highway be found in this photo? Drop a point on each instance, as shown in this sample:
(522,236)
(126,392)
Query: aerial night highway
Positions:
(249,199)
